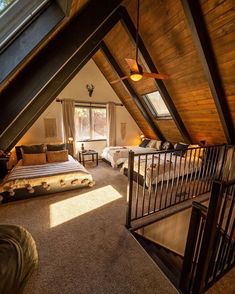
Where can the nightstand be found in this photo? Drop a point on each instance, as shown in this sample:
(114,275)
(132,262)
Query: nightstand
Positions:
(93,154)
(3,166)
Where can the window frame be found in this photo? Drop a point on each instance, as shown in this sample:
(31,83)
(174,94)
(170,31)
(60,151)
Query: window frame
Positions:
(153,110)
(90,107)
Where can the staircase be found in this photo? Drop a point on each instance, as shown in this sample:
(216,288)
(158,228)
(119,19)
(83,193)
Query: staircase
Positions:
(169,262)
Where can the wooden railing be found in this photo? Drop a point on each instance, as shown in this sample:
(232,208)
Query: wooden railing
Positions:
(159,180)
(210,247)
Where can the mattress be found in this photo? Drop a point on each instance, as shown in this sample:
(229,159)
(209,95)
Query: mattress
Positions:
(70,172)
(117,155)
(167,166)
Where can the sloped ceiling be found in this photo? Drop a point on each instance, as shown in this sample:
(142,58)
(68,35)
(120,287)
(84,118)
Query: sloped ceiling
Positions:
(168,38)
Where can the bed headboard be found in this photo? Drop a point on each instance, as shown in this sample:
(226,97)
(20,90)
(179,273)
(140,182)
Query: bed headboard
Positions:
(69,146)
(18,153)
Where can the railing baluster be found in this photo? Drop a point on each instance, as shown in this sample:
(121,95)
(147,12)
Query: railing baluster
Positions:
(162,181)
(150,183)
(130,188)
(156,184)
(144,183)
(168,179)
(137,187)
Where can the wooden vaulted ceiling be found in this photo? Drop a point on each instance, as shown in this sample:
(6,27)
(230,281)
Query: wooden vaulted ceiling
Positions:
(167,35)
(168,38)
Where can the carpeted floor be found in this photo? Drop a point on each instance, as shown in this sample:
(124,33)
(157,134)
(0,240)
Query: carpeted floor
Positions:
(82,242)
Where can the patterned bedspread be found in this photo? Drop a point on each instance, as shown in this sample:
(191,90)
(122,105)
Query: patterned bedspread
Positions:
(45,174)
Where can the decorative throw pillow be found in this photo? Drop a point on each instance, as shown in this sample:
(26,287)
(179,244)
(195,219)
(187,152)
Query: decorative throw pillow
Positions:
(152,144)
(167,146)
(198,152)
(158,145)
(144,143)
(32,149)
(34,159)
(181,149)
(57,156)
(56,147)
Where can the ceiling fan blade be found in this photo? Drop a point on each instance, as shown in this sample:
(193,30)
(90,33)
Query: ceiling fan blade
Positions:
(132,64)
(155,75)
(119,80)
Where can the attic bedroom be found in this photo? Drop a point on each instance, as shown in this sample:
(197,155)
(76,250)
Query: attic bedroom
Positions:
(117,146)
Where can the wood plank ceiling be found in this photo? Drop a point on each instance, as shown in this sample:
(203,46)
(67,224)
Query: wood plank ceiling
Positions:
(168,38)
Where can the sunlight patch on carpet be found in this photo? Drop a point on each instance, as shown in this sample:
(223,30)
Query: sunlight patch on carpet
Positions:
(66,210)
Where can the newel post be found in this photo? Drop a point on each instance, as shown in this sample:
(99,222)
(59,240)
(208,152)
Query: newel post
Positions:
(129,188)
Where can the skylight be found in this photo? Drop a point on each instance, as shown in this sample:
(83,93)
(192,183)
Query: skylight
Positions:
(156,105)
(14,15)
(4,4)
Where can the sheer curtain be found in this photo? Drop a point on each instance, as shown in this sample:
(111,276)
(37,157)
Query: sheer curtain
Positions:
(111,124)
(68,107)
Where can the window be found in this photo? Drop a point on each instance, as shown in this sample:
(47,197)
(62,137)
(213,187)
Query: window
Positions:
(15,14)
(4,4)
(90,123)
(156,105)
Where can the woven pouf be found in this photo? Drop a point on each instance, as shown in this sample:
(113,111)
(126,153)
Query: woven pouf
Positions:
(18,258)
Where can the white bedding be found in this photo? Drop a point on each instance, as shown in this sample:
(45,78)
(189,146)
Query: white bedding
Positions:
(174,166)
(45,174)
(117,155)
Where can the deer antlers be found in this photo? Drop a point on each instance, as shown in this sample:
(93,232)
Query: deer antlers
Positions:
(90,89)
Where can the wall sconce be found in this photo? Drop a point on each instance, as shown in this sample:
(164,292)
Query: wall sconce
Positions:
(90,89)
(202,143)
(142,137)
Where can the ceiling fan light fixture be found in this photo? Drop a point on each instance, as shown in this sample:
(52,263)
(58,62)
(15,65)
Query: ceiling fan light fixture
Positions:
(136,77)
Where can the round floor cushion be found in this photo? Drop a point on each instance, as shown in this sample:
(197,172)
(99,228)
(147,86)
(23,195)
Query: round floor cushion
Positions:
(18,258)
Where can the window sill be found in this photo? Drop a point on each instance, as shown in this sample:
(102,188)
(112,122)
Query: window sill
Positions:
(96,140)
(163,117)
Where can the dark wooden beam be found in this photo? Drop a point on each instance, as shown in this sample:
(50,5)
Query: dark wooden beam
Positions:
(51,70)
(131,29)
(132,92)
(194,15)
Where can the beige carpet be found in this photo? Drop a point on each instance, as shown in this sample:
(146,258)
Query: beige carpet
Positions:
(82,242)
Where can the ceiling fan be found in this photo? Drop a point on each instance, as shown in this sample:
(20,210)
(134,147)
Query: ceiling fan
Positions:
(136,70)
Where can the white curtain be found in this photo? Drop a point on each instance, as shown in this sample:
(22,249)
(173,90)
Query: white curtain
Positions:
(111,124)
(68,107)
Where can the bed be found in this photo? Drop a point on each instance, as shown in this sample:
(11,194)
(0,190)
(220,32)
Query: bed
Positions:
(152,169)
(117,155)
(25,181)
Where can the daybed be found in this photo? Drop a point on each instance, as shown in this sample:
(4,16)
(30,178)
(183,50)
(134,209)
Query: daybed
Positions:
(45,177)
(117,155)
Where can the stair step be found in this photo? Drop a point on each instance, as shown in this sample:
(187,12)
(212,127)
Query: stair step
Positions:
(169,262)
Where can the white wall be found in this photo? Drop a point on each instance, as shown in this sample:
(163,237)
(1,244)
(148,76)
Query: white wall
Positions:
(76,89)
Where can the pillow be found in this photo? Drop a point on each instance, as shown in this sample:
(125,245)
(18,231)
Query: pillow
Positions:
(32,149)
(56,147)
(181,149)
(195,152)
(57,156)
(34,159)
(151,144)
(167,146)
(144,143)
(158,145)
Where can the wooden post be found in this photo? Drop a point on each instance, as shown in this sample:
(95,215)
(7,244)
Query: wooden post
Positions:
(129,188)
(208,237)
(190,247)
